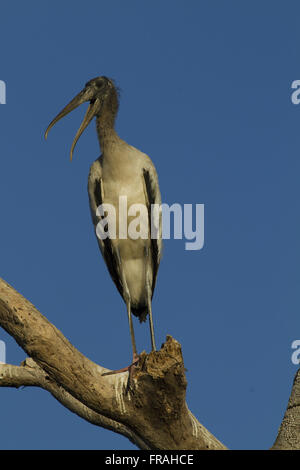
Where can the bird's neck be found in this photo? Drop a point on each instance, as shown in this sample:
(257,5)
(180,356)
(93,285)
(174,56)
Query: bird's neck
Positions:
(105,120)
(106,131)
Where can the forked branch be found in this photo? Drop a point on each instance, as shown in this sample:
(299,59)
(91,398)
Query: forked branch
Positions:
(151,410)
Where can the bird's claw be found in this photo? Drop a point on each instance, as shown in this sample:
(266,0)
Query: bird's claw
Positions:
(129,368)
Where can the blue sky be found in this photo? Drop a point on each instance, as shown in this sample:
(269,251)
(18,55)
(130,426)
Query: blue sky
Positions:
(205,92)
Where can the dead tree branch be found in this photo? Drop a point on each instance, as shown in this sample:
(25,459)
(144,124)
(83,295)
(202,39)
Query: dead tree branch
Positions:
(151,411)
(288,437)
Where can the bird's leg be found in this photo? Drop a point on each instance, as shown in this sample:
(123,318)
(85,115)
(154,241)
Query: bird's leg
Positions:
(135,358)
(151,326)
(134,352)
(126,297)
(149,302)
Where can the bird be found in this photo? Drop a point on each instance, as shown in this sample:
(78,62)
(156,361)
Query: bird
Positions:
(121,170)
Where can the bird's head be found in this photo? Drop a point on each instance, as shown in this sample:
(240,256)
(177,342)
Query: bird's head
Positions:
(103,98)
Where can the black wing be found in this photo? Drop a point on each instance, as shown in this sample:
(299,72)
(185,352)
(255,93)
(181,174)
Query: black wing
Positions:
(95,190)
(153,197)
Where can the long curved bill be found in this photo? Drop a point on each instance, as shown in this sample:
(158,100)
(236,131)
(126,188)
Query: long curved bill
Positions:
(93,109)
(90,113)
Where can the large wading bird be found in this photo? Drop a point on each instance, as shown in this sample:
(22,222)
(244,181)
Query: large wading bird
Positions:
(121,170)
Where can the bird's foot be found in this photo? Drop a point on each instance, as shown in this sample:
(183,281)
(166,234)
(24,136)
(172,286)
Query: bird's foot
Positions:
(129,368)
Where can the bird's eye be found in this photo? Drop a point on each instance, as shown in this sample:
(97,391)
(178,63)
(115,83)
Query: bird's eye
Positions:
(99,84)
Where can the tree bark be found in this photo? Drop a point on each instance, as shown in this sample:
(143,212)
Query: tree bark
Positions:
(288,437)
(149,409)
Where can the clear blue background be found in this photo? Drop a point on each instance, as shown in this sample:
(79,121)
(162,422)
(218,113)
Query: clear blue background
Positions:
(205,91)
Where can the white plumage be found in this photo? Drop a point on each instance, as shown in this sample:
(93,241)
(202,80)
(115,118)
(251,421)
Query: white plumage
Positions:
(121,170)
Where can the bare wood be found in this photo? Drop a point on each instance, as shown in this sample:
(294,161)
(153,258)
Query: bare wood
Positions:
(30,374)
(288,437)
(151,411)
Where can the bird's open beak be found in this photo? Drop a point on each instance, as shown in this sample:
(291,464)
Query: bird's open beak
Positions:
(94,107)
